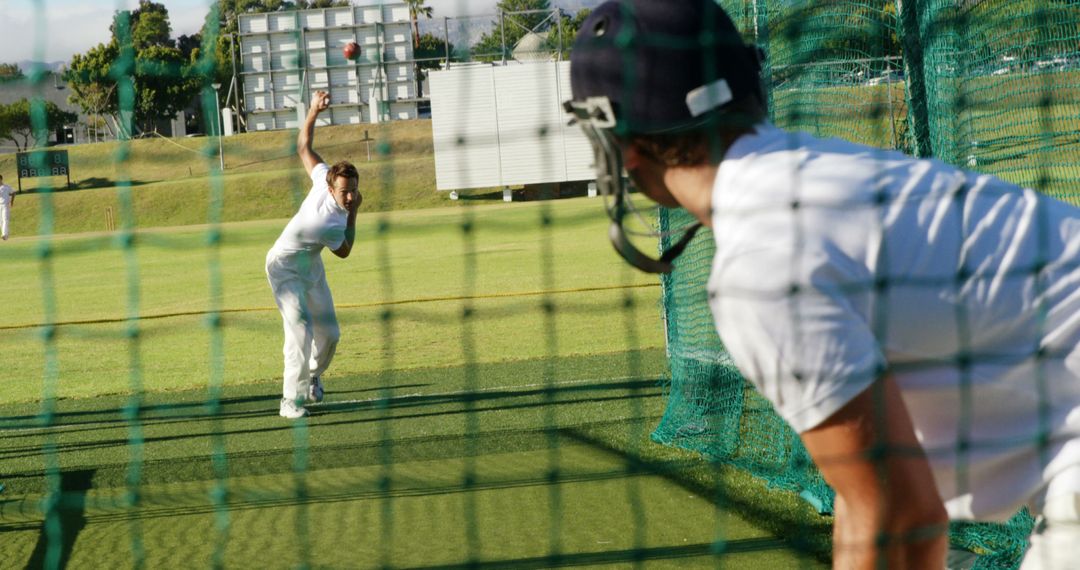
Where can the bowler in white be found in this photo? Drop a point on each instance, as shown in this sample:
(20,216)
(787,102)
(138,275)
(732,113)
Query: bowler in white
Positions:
(294,266)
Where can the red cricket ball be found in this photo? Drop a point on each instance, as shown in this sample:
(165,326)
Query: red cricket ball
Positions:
(351,51)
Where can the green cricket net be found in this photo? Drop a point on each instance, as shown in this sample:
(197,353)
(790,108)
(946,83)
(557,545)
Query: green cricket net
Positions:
(498,373)
(500,368)
(989,86)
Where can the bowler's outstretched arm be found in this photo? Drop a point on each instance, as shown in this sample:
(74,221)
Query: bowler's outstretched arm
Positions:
(309,157)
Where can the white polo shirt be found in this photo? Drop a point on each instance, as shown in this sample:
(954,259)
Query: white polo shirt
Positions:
(5,194)
(835,262)
(320,222)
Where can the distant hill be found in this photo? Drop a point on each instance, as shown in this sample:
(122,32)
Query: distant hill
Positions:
(26,65)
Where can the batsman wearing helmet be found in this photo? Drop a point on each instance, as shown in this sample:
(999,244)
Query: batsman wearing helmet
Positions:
(918,325)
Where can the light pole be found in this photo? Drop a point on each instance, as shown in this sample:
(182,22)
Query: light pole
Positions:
(217,112)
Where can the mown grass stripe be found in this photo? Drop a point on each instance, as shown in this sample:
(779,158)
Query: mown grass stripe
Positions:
(340,306)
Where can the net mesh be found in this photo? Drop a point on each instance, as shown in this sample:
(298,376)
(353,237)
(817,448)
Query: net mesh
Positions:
(982,85)
(479,411)
(494,407)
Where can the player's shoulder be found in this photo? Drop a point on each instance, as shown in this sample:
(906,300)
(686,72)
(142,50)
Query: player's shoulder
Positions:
(318,173)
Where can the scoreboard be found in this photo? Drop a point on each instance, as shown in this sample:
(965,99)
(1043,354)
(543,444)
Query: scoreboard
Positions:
(37,163)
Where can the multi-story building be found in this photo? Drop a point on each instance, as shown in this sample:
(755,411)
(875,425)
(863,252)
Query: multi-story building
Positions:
(287,56)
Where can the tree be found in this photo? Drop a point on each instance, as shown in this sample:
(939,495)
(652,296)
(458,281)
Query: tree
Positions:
(308,4)
(150,26)
(17,125)
(416,9)
(430,47)
(248,6)
(513,25)
(10,72)
(164,81)
(570,27)
(92,88)
(189,44)
(431,51)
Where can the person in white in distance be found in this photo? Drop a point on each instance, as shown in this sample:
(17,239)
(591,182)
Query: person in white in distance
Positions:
(7,200)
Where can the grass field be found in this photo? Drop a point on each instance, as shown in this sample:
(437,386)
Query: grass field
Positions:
(503,267)
(490,406)
(157,182)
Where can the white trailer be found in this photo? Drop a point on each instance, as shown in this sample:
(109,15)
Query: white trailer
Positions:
(503,125)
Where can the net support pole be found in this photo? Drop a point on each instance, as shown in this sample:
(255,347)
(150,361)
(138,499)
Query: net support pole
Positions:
(761,39)
(911,14)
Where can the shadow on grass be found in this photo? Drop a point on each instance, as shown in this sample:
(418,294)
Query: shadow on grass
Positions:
(532,193)
(65,518)
(73,419)
(770,516)
(634,555)
(109,438)
(773,511)
(84,184)
(347,434)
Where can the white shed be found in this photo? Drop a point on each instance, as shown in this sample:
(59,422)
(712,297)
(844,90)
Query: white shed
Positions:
(503,125)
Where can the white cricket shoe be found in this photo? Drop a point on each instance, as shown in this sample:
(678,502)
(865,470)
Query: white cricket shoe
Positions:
(315,390)
(289,409)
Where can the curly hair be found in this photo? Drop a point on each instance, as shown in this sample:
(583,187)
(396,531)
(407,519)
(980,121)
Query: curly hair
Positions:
(343,169)
(707,144)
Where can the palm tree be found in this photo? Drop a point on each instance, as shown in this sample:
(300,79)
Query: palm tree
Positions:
(417,8)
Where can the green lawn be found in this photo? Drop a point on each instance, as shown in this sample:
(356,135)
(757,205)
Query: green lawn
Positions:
(491,402)
(535,460)
(158,182)
(534,292)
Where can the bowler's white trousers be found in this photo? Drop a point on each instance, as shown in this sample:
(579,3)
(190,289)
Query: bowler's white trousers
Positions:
(307,309)
(5,220)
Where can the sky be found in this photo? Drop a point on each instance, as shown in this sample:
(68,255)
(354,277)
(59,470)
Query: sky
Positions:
(54,30)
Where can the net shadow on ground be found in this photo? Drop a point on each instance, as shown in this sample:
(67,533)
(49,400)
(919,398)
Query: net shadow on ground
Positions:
(274,456)
(106,442)
(623,466)
(771,516)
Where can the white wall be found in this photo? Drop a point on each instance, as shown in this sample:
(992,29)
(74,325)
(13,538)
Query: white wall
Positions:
(464,127)
(504,125)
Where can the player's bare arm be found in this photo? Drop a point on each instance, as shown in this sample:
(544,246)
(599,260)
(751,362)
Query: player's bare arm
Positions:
(350,233)
(319,102)
(868,452)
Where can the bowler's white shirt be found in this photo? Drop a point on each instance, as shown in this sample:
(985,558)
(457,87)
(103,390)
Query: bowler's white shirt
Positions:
(5,195)
(836,262)
(320,221)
